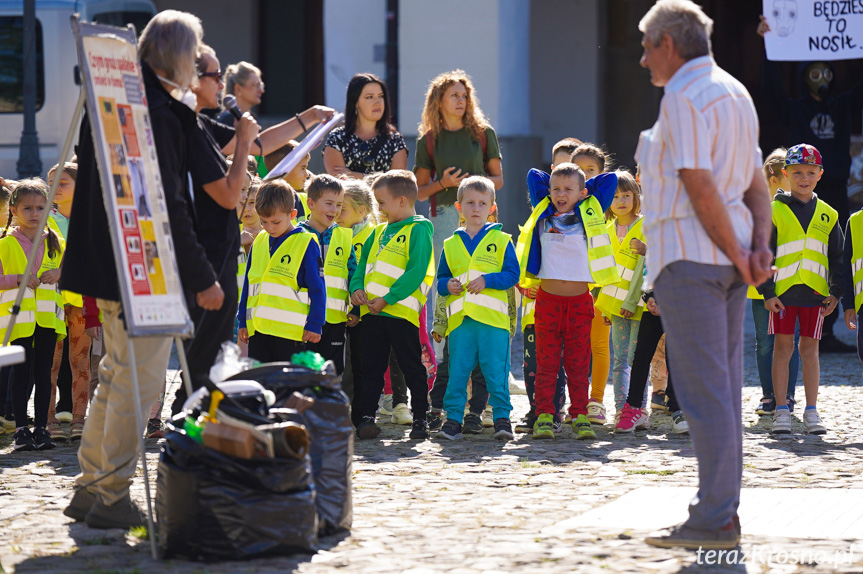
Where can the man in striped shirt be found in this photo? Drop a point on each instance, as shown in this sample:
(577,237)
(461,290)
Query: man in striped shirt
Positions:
(707,224)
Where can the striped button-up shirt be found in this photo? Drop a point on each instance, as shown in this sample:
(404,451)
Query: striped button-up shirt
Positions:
(707,121)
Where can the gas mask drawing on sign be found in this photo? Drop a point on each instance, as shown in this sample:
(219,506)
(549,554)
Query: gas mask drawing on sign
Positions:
(785,16)
(818,77)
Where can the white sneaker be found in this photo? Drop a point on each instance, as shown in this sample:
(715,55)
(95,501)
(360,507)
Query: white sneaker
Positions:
(678,423)
(385,405)
(64,416)
(644,423)
(782,421)
(402,415)
(812,422)
(488,417)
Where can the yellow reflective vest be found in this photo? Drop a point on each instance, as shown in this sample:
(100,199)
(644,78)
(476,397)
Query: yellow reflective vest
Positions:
(359,242)
(491,306)
(276,305)
(801,256)
(44,309)
(611,297)
(855,225)
(69,297)
(600,254)
(304,201)
(336,255)
(386,264)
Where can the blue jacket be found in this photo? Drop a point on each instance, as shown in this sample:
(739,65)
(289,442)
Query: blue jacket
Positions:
(503,280)
(310,276)
(602,187)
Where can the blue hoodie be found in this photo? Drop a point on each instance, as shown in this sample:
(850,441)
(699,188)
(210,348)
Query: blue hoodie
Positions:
(602,187)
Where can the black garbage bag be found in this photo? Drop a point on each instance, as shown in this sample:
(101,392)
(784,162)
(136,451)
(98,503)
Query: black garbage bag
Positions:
(328,421)
(211,506)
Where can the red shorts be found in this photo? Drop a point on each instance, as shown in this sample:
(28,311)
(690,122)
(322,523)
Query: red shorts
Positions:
(810,319)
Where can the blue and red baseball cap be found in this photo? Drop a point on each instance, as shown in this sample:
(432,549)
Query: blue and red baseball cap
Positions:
(803,154)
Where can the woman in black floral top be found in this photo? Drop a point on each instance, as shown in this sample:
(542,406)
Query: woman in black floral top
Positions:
(367,143)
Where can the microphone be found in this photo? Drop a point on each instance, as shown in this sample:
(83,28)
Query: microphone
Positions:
(230,103)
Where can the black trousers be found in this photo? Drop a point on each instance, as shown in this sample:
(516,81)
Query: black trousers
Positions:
(649,333)
(64,381)
(380,334)
(834,192)
(39,355)
(479,391)
(332,345)
(271,349)
(212,328)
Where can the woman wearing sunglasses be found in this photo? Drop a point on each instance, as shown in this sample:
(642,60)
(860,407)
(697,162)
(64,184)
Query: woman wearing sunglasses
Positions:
(368,142)
(217,190)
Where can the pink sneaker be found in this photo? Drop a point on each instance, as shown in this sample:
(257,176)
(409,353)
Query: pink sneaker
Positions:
(630,418)
(596,412)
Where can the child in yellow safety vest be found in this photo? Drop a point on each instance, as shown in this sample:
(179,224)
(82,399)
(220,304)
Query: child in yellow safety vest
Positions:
(852,293)
(284,300)
(393,279)
(776,181)
(565,244)
(40,322)
(477,267)
(808,281)
(325,198)
(560,153)
(593,160)
(77,341)
(296,178)
(621,302)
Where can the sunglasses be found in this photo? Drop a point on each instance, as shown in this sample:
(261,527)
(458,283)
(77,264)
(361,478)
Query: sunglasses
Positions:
(216,75)
(365,148)
(816,74)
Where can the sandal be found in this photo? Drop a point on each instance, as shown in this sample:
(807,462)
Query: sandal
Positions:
(56,431)
(76,429)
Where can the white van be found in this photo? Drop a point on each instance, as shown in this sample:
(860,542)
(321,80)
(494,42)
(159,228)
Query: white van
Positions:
(57,80)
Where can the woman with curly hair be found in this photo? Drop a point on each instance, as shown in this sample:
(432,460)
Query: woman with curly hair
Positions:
(455,141)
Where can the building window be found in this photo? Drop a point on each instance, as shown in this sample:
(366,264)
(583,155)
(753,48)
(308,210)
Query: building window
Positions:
(12,65)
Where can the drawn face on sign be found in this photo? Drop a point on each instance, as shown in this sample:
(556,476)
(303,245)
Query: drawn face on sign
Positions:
(784,16)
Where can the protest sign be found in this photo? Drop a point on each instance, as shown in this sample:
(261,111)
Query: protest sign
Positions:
(810,30)
(150,287)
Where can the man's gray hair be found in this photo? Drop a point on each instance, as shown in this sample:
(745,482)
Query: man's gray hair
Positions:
(684,21)
(170,43)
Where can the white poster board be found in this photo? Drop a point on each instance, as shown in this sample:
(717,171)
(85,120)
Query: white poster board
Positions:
(309,143)
(812,30)
(149,278)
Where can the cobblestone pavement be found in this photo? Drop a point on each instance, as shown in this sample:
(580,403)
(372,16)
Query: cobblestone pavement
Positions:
(478,505)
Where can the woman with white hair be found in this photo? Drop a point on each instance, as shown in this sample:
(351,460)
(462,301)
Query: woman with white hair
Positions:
(109,445)
(243,81)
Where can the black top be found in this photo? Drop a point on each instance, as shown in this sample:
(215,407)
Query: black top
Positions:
(380,149)
(89,266)
(803,295)
(825,124)
(218,230)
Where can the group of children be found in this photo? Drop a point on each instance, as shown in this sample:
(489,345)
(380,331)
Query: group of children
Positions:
(53,326)
(317,271)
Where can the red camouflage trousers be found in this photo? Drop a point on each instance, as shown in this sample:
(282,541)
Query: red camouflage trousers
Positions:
(563,326)
(79,361)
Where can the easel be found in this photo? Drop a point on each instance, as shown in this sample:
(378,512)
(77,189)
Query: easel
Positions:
(10,355)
